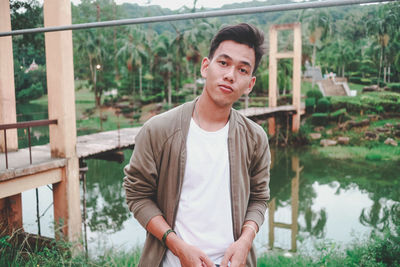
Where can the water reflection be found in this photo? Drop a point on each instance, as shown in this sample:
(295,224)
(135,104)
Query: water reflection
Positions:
(312,199)
(31,112)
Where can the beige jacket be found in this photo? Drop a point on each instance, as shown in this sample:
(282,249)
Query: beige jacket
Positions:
(154,175)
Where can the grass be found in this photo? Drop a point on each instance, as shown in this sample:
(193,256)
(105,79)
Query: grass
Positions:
(380,249)
(88,116)
(385,152)
(357,87)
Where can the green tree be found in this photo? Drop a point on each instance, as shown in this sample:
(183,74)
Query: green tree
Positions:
(164,62)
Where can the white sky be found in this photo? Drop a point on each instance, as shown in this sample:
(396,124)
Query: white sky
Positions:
(176,4)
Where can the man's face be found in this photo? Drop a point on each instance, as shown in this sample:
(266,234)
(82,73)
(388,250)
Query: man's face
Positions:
(229,73)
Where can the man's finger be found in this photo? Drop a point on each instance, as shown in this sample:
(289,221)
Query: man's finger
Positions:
(225,260)
(208,262)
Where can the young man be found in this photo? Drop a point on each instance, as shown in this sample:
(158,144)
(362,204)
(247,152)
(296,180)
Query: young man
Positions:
(199,174)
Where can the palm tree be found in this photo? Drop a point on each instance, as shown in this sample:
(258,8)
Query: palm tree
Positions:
(377,216)
(134,53)
(164,61)
(383,26)
(197,41)
(318,27)
(88,47)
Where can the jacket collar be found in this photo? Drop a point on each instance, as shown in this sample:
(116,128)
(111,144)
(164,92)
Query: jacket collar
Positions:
(187,112)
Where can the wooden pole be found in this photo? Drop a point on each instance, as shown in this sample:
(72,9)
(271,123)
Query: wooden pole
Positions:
(296,77)
(273,67)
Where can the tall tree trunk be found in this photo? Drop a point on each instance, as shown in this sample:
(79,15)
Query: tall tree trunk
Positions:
(177,77)
(384,74)
(140,82)
(169,91)
(314,54)
(194,80)
(133,83)
(380,64)
(343,70)
(389,73)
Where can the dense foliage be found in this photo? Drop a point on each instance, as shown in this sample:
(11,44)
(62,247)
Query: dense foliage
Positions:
(358,42)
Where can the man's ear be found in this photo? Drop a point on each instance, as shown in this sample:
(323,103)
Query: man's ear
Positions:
(251,85)
(204,66)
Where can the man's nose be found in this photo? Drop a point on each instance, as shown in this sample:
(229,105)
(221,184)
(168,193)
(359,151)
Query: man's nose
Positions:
(230,74)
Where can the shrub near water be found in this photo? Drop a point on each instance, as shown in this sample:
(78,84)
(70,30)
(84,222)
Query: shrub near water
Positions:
(370,102)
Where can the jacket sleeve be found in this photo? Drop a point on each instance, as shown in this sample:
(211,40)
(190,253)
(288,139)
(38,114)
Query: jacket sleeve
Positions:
(259,181)
(140,182)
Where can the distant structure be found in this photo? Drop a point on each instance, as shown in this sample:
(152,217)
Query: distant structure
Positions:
(313,73)
(32,67)
(274,56)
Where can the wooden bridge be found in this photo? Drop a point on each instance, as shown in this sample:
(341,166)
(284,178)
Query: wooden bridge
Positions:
(267,112)
(90,146)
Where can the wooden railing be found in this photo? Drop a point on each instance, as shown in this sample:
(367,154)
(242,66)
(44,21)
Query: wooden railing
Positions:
(19,125)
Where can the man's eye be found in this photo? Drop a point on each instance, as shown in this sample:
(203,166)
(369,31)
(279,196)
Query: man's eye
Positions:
(242,70)
(223,63)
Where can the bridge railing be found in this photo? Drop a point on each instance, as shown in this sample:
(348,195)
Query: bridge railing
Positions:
(20,125)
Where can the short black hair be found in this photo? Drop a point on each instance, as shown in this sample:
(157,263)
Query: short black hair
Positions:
(242,33)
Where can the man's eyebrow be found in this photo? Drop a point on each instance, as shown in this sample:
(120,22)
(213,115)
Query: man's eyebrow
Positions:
(228,57)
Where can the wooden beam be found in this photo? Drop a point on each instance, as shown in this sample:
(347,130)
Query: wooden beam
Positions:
(295,201)
(283,27)
(283,225)
(273,76)
(282,55)
(24,183)
(296,77)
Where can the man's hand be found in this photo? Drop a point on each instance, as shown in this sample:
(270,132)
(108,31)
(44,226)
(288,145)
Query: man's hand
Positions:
(237,253)
(191,256)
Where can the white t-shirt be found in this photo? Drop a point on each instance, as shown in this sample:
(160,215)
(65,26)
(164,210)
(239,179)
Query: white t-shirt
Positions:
(204,216)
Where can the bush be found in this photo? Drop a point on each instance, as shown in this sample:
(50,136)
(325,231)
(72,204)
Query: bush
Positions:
(33,92)
(366,81)
(319,118)
(394,87)
(370,102)
(338,115)
(316,93)
(355,79)
(152,98)
(323,105)
(310,104)
(373,157)
(380,83)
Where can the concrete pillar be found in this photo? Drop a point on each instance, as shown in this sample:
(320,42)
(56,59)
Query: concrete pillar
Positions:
(66,198)
(296,77)
(8,112)
(61,95)
(10,214)
(60,79)
(273,76)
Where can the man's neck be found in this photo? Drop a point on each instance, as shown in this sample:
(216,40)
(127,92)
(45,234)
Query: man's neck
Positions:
(208,115)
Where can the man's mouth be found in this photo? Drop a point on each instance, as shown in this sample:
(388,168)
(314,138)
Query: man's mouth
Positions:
(226,88)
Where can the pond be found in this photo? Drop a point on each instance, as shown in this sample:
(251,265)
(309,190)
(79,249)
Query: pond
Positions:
(313,199)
